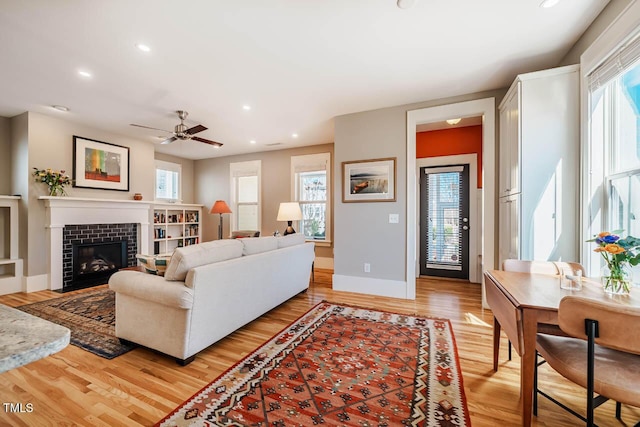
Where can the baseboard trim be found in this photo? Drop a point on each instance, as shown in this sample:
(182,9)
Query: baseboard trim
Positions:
(370,286)
(35,283)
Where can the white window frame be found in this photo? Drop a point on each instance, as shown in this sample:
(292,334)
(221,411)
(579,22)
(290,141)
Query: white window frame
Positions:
(594,156)
(313,163)
(242,169)
(171,167)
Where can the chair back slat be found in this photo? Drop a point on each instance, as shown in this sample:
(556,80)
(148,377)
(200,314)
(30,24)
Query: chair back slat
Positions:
(535,267)
(618,325)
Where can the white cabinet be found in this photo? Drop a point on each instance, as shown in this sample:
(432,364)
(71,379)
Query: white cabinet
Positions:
(175,225)
(539,163)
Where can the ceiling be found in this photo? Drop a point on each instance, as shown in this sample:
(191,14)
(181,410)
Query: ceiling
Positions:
(297,64)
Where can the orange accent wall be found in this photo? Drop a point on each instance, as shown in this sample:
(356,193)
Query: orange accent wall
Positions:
(449,142)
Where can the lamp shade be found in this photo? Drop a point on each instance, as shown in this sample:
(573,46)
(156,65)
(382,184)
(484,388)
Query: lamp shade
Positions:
(220,207)
(289,211)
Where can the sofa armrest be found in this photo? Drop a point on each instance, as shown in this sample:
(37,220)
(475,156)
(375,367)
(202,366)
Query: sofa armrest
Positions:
(152,288)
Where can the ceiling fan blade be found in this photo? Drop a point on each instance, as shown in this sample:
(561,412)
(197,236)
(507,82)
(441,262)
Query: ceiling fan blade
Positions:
(196,129)
(207,141)
(168,140)
(149,127)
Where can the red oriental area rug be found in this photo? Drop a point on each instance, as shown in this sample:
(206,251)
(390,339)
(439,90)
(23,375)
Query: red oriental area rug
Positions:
(339,366)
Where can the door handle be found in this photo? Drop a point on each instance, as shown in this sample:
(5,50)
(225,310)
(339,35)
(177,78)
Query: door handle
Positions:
(464,227)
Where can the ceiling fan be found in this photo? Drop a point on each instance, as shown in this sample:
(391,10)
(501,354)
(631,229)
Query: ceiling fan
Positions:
(183,133)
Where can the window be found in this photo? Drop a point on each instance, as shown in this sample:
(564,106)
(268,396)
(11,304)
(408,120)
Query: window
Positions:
(614,146)
(245,195)
(168,177)
(311,188)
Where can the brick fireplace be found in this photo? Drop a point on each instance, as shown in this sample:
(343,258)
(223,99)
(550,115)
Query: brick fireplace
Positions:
(98,220)
(92,252)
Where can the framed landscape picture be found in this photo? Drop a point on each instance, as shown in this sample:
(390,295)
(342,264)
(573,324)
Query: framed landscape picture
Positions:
(100,165)
(369,180)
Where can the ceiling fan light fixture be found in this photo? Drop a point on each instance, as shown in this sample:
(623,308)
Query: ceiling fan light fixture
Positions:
(454,121)
(546,4)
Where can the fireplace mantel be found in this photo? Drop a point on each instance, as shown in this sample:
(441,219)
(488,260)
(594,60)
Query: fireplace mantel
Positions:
(62,211)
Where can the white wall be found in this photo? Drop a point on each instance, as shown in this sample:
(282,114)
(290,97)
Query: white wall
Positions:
(5,158)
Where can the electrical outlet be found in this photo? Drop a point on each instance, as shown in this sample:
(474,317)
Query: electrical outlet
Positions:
(367,267)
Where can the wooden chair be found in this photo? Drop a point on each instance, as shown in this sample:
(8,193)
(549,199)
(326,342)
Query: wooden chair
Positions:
(601,353)
(540,267)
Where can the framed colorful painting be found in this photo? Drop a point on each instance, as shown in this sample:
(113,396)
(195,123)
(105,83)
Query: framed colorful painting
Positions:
(100,165)
(369,180)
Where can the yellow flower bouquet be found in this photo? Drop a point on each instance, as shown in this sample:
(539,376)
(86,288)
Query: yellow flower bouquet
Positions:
(56,180)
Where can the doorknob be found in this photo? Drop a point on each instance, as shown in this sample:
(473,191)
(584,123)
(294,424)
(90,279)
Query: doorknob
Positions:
(464,227)
(465,219)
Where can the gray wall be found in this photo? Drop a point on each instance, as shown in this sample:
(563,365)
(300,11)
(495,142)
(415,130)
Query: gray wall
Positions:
(188,185)
(606,17)
(5,158)
(212,183)
(45,142)
(362,230)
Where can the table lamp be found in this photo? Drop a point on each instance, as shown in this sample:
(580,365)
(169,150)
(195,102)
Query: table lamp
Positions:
(289,211)
(220,207)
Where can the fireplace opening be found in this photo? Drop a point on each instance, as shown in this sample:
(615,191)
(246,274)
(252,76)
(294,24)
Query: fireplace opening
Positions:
(94,263)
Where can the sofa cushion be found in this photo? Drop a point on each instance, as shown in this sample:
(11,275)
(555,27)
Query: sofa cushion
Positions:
(186,258)
(290,240)
(258,245)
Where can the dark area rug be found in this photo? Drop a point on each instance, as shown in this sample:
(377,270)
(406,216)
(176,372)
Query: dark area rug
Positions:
(89,315)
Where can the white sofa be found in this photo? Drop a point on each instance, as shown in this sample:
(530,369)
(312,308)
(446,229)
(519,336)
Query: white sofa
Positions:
(209,290)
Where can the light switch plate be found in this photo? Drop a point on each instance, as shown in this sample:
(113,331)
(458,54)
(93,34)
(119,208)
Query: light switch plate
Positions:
(394,218)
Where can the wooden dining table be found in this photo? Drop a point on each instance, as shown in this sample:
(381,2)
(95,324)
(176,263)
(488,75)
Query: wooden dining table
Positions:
(524,304)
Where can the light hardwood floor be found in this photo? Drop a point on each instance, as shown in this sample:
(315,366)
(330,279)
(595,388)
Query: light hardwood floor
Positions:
(74,387)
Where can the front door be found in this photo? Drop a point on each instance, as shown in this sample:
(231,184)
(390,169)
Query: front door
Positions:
(444,221)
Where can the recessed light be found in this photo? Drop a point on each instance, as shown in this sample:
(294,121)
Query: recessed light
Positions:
(549,3)
(60,108)
(453,121)
(143,47)
(253,141)
(406,4)
(84,73)
(294,135)
(246,107)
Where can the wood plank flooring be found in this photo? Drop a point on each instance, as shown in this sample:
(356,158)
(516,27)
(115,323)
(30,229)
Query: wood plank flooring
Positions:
(74,387)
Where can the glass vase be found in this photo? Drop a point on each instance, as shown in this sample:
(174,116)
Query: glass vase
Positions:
(617,282)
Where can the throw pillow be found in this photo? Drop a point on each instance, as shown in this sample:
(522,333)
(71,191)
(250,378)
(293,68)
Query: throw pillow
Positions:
(290,240)
(258,245)
(188,257)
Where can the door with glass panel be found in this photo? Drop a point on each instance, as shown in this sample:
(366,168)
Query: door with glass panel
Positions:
(444,221)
